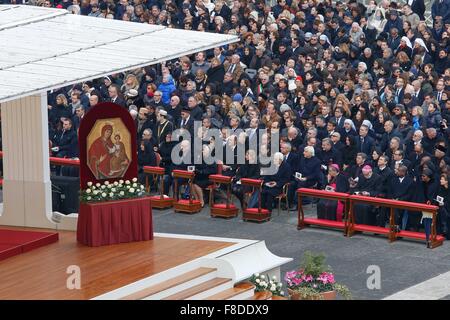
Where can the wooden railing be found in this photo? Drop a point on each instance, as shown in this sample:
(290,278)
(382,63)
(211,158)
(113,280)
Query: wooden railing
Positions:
(349,224)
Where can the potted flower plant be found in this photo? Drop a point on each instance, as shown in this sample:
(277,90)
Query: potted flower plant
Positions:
(314,280)
(265,283)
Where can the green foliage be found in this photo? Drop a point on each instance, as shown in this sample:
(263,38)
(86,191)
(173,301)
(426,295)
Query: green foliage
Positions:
(314,264)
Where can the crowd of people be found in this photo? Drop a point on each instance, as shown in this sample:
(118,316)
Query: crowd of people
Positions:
(359,95)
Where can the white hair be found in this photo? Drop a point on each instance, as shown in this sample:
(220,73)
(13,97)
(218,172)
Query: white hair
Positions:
(310,150)
(278,156)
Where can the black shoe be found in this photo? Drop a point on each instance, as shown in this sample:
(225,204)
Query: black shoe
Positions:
(428,244)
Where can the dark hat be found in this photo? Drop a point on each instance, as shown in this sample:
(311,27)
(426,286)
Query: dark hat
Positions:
(263,95)
(441,148)
(285,21)
(393,12)
(150,72)
(186,109)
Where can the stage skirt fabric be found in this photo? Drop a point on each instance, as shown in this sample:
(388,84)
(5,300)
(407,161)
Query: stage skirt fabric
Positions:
(115,222)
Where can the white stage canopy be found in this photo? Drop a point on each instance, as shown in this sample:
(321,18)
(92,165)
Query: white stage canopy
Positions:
(43,49)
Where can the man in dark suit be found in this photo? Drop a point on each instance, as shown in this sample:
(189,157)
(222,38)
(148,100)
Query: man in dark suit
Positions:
(401,188)
(398,159)
(289,156)
(365,143)
(338,118)
(388,134)
(114,96)
(309,168)
(143,122)
(418,92)
(196,112)
(438,94)
(273,184)
(399,89)
(65,142)
(186,122)
(385,174)
(328,155)
(418,6)
(79,114)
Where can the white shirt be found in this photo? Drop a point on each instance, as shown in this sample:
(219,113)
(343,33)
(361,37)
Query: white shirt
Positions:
(401,179)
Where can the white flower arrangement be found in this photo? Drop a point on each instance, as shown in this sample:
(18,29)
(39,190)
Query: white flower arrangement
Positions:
(116,190)
(266,283)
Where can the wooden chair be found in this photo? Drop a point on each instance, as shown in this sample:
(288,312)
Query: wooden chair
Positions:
(158,201)
(255,214)
(215,185)
(283,195)
(180,205)
(227,210)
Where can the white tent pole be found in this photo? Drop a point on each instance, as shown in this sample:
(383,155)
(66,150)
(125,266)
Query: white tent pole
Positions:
(26,184)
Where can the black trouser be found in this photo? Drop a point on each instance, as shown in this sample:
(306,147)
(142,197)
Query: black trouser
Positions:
(442,221)
(268,196)
(382,216)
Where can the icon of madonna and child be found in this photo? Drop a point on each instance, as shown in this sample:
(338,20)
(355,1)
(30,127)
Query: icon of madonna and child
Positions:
(106,152)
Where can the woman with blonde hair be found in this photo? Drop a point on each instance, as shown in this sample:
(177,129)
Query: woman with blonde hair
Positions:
(238,107)
(226,105)
(60,110)
(405,62)
(343,102)
(131,82)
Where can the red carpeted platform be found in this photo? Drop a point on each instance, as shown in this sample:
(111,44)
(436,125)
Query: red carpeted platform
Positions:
(14,242)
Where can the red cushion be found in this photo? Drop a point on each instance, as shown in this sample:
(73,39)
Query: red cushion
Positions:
(255,211)
(317,193)
(374,229)
(187,202)
(251,182)
(416,235)
(183,173)
(159,198)
(219,178)
(223,206)
(325,223)
(154,170)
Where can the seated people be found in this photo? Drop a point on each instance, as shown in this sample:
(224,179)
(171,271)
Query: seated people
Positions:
(337,182)
(251,170)
(273,184)
(65,142)
(368,185)
(165,150)
(146,157)
(400,187)
(309,168)
(202,172)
